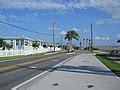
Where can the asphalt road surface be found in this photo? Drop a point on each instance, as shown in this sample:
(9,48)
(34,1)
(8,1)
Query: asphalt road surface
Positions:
(29,67)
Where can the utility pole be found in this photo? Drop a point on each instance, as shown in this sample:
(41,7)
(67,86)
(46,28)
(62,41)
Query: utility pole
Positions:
(53,25)
(91,39)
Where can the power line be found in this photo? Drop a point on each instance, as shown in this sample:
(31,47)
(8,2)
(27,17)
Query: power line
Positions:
(24,28)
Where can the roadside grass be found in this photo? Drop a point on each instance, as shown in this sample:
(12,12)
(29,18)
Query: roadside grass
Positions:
(113,66)
(19,57)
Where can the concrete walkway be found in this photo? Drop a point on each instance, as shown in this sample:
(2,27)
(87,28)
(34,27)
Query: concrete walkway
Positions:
(82,72)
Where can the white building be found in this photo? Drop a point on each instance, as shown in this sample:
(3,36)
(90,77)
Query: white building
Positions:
(18,42)
(22,43)
(24,46)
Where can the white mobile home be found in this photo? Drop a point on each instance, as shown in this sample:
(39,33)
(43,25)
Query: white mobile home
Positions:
(19,42)
(24,46)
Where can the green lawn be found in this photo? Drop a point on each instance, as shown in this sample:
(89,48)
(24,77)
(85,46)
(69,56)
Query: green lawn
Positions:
(115,67)
(19,56)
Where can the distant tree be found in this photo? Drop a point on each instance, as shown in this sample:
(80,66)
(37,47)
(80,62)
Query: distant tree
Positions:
(70,35)
(4,44)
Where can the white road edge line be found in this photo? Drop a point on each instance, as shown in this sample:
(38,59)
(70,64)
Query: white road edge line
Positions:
(16,87)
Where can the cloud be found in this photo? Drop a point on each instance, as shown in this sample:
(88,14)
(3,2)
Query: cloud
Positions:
(31,4)
(118,36)
(101,38)
(110,6)
(2,17)
(62,33)
(86,31)
(99,22)
(107,21)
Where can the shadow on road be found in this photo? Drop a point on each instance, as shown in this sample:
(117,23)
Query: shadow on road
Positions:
(85,69)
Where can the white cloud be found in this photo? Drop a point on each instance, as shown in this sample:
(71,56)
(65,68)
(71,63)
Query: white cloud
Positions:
(31,4)
(2,17)
(86,31)
(98,38)
(107,21)
(118,36)
(107,38)
(110,6)
(63,33)
(99,22)
(101,38)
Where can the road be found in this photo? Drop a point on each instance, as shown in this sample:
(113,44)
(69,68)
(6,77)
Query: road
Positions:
(27,68)
(82,72)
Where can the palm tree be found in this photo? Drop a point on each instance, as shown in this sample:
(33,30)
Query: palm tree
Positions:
(70,35)
(4,44)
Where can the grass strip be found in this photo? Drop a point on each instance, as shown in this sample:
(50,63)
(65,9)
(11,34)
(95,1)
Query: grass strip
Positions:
(113,66)
(19,57)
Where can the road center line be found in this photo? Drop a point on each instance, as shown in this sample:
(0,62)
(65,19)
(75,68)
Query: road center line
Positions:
(2,69)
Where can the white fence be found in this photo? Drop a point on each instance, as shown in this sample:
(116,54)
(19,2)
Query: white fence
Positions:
(4,53)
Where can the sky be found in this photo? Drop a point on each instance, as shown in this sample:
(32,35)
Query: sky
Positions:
(38,15)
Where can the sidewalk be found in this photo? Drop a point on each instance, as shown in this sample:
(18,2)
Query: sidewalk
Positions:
(82,72)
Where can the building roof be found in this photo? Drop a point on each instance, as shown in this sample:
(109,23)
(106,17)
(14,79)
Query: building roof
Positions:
(15,37)
(21,37)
